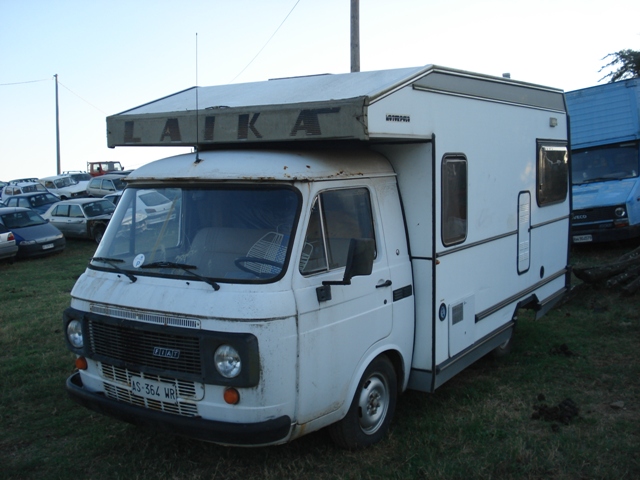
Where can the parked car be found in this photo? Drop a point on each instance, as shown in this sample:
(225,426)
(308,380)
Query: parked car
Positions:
(104,185)
(65,186)
(17,188)
(96,169)
(33,234)
(81,217)
(8,247)
(40,201)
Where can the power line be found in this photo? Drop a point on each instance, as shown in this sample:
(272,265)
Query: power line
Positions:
(22,83)
(60,83)
(85,101)
(267,42)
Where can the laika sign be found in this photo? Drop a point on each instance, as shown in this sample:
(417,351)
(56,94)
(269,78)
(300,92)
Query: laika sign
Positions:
(231,125)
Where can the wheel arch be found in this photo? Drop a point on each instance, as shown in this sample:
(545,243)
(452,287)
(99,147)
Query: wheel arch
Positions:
(392,352)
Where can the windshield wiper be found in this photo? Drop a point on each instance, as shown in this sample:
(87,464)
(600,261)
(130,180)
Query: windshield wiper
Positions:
(185,268)
(112,262)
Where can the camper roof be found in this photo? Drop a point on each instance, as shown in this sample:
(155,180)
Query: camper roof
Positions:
(302,108)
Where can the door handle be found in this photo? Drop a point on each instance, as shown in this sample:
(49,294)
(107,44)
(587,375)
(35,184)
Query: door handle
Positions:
(385,284)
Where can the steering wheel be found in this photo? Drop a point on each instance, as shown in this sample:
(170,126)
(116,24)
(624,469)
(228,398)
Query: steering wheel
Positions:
(240,263)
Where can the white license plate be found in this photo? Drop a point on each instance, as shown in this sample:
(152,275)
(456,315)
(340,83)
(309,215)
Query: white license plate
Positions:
(582,238)
(161,391)
(47,246)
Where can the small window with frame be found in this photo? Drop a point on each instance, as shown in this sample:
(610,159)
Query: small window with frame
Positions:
(454,199)
(552,172)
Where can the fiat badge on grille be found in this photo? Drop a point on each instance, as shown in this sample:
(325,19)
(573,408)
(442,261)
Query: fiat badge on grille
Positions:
(166,352)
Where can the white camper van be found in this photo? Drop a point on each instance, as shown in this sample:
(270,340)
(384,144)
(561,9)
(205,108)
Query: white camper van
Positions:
(334,241)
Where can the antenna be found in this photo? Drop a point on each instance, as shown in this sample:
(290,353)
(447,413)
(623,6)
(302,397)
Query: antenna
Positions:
(198,159)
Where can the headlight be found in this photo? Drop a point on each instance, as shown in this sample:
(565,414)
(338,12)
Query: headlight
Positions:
(74,333)
(27,242)
(227,361)
(620,212)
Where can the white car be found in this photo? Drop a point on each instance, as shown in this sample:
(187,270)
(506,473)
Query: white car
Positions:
(19,187)
(65,186)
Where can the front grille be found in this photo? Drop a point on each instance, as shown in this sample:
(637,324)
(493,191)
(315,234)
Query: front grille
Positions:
(176,352)
(122,393)
(593,218)
(135,346)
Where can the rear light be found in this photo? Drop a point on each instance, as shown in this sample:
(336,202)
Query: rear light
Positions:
(11,237)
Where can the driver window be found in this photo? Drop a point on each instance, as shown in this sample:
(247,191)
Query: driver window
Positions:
(336,217)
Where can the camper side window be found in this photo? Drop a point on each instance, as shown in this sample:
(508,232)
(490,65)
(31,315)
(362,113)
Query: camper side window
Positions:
(454,199)
(553,174)
(336,217)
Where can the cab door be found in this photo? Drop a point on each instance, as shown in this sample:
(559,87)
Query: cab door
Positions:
(337,324)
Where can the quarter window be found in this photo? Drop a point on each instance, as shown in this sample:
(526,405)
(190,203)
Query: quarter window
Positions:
(336,217)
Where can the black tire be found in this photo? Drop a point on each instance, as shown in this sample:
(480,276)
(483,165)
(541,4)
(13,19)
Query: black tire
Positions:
(372,407)
(98,233)
(505,348)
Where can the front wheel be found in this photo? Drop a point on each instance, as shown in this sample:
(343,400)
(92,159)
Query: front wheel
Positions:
(372,408)
(505,348)
(98,233)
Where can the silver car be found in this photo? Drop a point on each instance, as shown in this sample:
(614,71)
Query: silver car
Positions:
(81,217)
(104,185)
(8,247)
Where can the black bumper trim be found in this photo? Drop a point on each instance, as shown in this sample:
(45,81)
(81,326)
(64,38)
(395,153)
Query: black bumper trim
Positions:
(261,433)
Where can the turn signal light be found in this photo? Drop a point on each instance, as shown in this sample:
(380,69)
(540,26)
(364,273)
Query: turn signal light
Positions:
(231,396)
(81,363)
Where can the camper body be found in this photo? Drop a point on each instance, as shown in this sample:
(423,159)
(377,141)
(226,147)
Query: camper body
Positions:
(334,241)
(605,140)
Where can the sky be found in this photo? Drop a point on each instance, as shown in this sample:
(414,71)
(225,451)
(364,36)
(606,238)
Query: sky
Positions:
(113,55)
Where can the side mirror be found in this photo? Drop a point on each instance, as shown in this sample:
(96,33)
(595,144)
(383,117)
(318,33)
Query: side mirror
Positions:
(359,260)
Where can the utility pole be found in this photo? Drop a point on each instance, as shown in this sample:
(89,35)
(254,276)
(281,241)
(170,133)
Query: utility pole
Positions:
(57,128)
(355,35)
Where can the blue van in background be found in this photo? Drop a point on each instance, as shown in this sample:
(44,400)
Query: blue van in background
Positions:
(605,135)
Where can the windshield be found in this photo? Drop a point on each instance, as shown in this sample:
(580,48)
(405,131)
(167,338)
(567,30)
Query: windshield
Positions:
(36,187)
(42,199)
(602,164)
(22,219)
(80,177)
(118,183)
(65,182)
(227,233)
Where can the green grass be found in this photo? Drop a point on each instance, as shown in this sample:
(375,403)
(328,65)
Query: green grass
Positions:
(479,425)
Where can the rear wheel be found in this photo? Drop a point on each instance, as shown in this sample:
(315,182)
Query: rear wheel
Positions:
(372,408)
(505,348)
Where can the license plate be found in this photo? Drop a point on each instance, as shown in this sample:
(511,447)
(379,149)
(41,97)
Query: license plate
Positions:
(161,391)
(582,238)
(47,246)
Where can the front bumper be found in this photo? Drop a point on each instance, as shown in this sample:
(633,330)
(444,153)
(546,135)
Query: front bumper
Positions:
(609,234)
(37,249)
(263,433)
